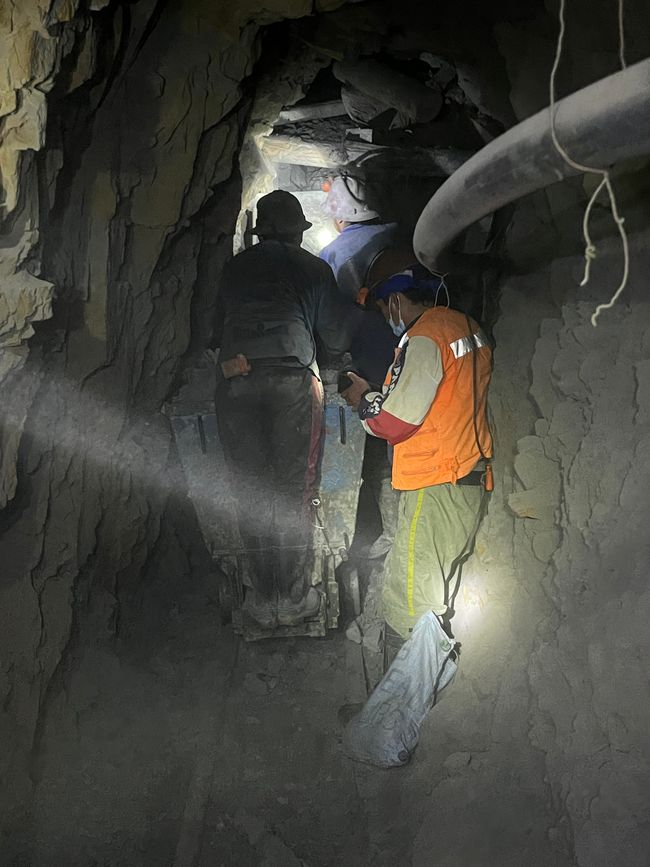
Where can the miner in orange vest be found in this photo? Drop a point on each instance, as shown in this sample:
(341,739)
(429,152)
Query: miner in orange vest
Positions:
(433,411)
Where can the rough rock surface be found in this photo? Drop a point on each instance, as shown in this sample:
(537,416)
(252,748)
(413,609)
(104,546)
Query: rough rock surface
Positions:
(578,488)
(121,124)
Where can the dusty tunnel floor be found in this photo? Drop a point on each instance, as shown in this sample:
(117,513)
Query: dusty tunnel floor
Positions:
(181,745)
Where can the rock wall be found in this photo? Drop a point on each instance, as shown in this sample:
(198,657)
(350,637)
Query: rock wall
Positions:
(559,591)
(571,413)
(24,296)
(121,125)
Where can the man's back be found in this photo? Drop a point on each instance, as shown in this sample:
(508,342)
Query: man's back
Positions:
(275,297)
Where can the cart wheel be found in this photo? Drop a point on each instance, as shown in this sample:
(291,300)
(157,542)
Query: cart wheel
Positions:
(350,591)
(225,599)
(355,593)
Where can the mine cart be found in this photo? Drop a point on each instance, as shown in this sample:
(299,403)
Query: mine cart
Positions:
(194,425)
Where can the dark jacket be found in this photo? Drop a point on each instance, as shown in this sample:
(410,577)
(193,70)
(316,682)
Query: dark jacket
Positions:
(373,347)
(277,302)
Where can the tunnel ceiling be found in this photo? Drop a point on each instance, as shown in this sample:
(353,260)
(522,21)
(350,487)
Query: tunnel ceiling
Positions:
(400,98)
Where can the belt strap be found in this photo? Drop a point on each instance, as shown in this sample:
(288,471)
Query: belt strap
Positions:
(474,478)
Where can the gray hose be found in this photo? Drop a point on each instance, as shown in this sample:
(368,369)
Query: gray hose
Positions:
(601,124)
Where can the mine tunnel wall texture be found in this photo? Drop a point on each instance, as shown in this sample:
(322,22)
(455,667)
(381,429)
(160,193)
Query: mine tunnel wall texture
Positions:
(566,539)
(117,205)
(132,188)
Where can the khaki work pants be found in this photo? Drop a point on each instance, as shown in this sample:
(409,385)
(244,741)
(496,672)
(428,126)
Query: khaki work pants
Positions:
(436,528)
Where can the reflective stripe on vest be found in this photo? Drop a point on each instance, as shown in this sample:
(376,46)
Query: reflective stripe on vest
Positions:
(464,345)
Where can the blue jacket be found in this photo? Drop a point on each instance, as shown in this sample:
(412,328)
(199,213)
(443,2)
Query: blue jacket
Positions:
(351,253)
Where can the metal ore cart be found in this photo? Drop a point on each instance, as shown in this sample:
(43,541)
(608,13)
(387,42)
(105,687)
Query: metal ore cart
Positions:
(194,425)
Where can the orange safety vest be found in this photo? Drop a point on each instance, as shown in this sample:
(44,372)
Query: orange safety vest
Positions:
(444,447)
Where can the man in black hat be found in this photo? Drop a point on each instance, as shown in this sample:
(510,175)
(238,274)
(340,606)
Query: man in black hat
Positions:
(279,308)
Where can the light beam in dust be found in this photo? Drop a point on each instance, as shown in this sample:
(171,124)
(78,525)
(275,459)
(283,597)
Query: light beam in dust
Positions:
(126,449)
(131,451)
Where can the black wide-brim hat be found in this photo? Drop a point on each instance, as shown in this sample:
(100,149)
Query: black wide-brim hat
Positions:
(279,213)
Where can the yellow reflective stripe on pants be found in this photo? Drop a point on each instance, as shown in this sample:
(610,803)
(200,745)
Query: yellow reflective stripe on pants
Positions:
(411,558)
(435,526)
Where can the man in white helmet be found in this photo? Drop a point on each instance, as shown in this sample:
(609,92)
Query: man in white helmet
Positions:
(362,237)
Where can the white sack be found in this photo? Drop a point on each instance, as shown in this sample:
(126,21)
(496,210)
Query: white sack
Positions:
(387,730)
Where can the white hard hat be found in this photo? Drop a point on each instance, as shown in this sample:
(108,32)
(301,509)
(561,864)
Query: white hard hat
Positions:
(346,200)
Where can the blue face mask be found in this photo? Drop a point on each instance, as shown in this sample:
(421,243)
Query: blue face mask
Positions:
(400,328)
